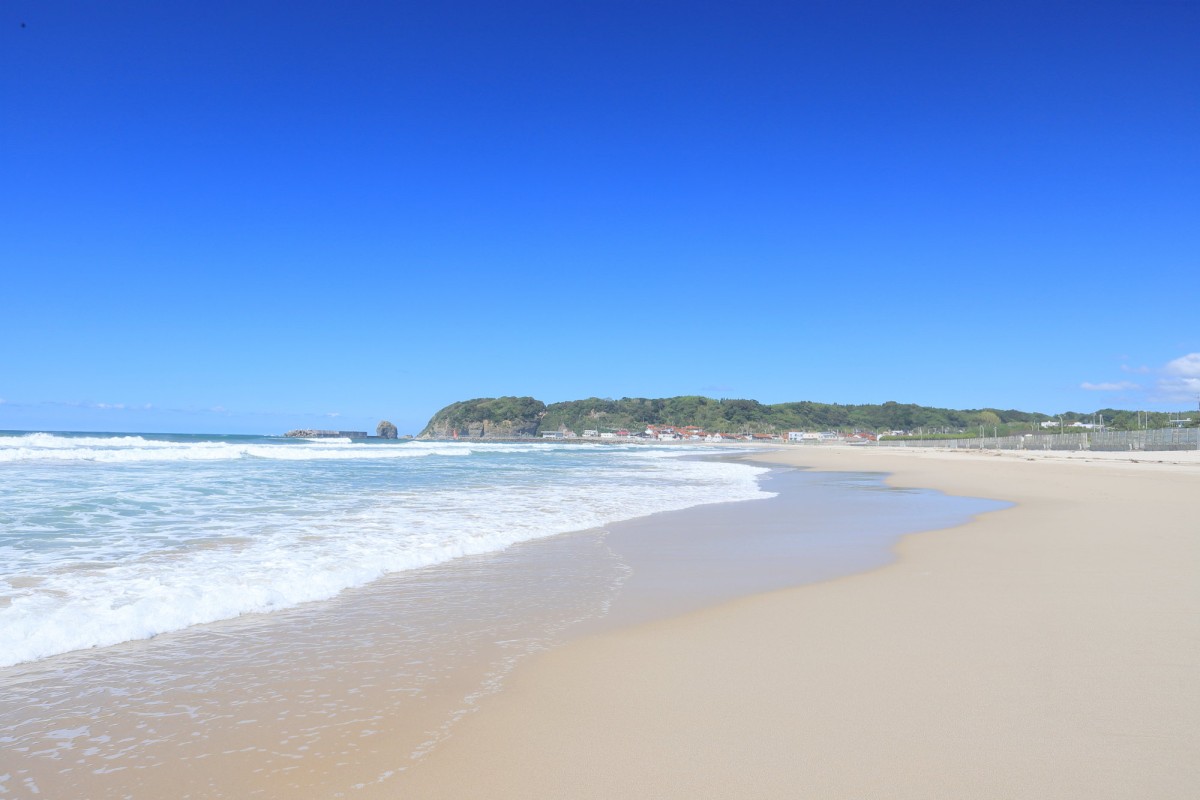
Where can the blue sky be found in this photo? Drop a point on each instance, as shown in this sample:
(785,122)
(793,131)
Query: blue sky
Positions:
(246,217)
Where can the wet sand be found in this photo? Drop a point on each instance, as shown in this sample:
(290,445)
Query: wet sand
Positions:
(345,697)
(1049,650)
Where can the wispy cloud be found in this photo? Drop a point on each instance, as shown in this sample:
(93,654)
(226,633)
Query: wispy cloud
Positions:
(1185,366)
(1177,381)
(1119,386)
(1178,390)
(129,410)
(1181,381)
(104,406)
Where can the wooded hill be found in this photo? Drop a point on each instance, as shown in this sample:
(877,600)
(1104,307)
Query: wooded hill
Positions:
(509,417)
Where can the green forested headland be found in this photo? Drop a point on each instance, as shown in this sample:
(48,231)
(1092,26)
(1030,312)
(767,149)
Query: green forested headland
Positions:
(526,416)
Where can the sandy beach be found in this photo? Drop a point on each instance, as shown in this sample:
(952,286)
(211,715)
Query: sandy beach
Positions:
(1048,650)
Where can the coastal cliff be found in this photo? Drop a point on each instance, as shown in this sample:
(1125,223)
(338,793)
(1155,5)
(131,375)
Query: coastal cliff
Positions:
(487,418)
(518,417)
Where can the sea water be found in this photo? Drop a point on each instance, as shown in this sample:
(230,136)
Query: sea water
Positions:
(232,616)
(111,538)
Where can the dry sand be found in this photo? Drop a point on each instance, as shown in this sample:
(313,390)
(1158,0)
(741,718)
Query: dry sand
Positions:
(1049,650)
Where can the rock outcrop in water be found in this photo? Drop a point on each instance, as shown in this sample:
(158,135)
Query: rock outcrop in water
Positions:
(386,430)
(487,418)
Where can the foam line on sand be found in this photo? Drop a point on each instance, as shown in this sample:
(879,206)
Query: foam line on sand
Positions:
(1048,650)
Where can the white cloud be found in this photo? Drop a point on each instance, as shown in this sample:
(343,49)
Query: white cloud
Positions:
(1182,381)
(1120,386)
(114,406)
(1178,390)
(1185,366)
(334,414)
(1177,381)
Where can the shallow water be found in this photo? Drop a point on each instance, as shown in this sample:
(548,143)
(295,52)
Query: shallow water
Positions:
(315,700)
(111,538)
(818,526)
(284,702)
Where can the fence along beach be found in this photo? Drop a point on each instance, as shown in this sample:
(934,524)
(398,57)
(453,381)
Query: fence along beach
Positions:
(1152,439)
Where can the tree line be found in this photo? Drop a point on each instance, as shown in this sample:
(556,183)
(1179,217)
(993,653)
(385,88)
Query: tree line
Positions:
(735,415)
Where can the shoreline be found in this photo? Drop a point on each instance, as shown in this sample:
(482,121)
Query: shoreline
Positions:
(708,674)
(1046,650)
(317,697)
(322,697)
(819,526)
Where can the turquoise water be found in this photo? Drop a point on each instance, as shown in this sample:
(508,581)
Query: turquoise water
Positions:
(134,565)
(106,538)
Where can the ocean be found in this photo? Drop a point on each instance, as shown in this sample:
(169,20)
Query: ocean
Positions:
(111,538)
(248,615)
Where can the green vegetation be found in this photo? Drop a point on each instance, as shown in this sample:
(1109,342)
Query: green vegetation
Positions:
(525,416)
(750,416)
(517,416)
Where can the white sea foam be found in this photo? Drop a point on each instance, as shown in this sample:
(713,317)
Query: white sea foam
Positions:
(127,546)
(48,447)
